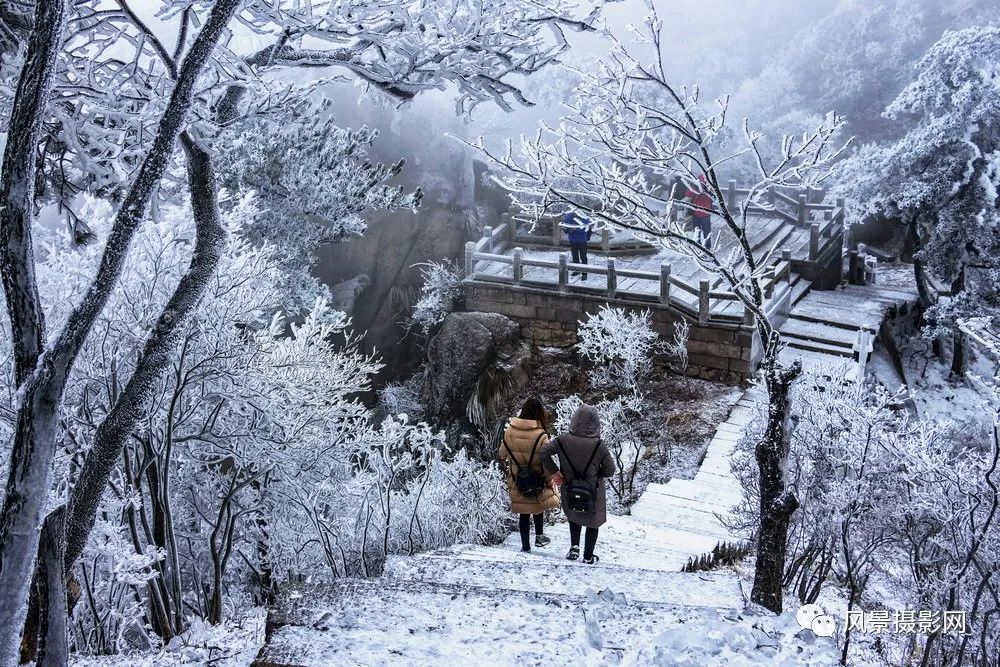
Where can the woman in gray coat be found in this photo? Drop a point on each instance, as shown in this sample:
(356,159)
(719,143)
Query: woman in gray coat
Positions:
(581,456)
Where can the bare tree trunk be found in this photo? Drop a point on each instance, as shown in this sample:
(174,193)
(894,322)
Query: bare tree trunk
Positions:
(776,502)
(42,387)
(959,360)
(31,453)
(958,346)
(53,649)
(156,356)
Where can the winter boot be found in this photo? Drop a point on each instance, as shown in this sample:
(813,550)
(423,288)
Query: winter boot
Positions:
(574,553)
(542,540)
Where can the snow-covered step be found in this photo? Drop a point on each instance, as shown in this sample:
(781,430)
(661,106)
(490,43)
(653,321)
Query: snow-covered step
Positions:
(800,288)
(613,549)
(700,521)
(624,540)
(822,348)
(731,429)
(531,574)
(816,331)
(719,496)
(384,622)
(709,490)
(722,446)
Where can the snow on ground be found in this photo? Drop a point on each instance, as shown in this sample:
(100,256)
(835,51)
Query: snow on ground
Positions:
(895,274)
(233,643)
(936,395)
(498,606)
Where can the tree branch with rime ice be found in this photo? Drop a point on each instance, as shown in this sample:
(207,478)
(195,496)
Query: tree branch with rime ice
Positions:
(121,67)
(630,146)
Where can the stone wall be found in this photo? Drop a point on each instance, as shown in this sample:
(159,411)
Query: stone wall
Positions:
(720,352)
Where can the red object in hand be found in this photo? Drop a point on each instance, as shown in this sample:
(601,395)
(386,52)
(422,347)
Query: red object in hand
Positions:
(557,479)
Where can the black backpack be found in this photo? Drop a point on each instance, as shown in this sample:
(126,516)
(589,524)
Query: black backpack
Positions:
(528,481)
(581,493)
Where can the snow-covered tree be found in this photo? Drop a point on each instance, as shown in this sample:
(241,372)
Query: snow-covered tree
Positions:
(630,136)
(439,295)
(677,346)
(940,180)
(620,345)
(254,461)
(314,178)
(115,82)
(907,504)
(42,367)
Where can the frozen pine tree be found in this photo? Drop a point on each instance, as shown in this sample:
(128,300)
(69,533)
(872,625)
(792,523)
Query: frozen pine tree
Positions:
(439,295)
(939,182)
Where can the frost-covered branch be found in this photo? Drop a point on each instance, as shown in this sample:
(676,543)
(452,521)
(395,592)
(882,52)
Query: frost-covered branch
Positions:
(629,152)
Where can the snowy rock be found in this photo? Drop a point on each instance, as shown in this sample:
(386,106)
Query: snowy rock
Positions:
(806,635)
(466,347)
(346,294)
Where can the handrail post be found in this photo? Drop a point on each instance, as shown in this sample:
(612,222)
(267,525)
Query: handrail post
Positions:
(556,231)
(803,210)
(703,301)
(786,256)
(518,267)
(813,241)
(612,278)
(773,278)
(488,237)
(511,227)
(665,282)
(731,195)
(470,265)
(605,239)
(563,271)
(861,278)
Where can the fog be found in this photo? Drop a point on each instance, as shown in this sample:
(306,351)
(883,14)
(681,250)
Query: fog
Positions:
(782,63)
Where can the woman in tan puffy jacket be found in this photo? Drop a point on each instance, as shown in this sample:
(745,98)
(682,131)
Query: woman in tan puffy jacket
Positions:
(520,450)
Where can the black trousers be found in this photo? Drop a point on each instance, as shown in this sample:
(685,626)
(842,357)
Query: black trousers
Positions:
(703,224)
(525,527)
(579,251)
(588,541)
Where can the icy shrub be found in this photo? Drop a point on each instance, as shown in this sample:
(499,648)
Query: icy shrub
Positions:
(884,497)
(677,347)
(407,494)
(402,398)
(619,344)
(439,294)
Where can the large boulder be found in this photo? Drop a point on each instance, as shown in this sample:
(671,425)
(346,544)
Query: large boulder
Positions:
(346,294)
(468,346)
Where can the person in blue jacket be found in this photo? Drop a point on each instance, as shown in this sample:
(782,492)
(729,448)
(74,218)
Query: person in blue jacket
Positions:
(578,230)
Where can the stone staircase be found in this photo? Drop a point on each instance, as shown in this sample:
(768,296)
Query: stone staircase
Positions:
(822,326)
(496,605)
(446,606)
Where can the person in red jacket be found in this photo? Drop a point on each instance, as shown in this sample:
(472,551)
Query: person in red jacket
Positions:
(702,213)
